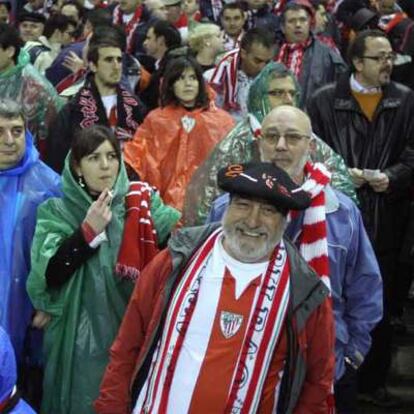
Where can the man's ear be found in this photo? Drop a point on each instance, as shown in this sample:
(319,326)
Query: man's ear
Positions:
(357,62)
(161,41)
(92,66)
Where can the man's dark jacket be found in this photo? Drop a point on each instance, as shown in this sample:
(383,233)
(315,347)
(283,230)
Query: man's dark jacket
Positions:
(87,101)
(386,143)
(321,65)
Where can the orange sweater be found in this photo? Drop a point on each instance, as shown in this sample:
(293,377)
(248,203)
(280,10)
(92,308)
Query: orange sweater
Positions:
(368,102)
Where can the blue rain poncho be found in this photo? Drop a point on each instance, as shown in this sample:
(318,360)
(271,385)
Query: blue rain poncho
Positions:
(22,189)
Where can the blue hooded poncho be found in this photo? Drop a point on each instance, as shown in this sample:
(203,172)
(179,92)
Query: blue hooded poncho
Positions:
(22,189)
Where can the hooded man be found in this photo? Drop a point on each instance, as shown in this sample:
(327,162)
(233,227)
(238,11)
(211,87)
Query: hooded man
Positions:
(25,182)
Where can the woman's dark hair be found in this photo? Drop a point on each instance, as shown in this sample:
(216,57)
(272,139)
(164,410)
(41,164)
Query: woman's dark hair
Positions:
(9,37)
(85,141)
(172,73)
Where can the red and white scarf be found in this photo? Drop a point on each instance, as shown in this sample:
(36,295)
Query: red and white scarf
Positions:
(224,79)
(230,43)
(139,241)
(313,243)
(245,389)
(130,27)
(291,54)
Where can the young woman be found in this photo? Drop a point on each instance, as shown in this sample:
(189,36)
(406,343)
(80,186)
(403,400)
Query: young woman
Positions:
(176,138)
(88,249)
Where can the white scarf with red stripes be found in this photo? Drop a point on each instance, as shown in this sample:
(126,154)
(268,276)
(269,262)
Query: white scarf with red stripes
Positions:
(313,243)
(224,79)
(291,55)
(260,339)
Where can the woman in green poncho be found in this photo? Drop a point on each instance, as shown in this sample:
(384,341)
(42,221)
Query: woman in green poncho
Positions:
(274,86)
(88,248)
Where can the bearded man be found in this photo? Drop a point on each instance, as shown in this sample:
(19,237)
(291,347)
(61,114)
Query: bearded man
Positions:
(331,237)
(236,299)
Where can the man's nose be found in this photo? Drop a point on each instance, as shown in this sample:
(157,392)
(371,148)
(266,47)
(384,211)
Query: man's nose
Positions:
(254,217)
(281,144)
(288,98)
(9,140)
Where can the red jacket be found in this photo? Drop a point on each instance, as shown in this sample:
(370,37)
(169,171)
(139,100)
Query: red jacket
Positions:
(313,326)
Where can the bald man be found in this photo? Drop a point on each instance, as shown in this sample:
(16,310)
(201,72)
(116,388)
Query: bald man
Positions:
(332,240)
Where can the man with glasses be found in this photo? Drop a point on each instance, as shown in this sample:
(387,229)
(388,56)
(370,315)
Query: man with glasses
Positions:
(367,118)
(329,235)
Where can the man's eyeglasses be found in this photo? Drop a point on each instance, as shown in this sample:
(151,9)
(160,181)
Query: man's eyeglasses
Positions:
(291,138)
(383,58)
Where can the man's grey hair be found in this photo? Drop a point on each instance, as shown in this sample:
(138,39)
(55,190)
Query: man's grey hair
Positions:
(10,109)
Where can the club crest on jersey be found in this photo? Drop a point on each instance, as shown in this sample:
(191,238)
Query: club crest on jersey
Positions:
(230,323)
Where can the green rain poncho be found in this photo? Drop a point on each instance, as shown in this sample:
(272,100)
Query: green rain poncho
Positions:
(240,146)
(88,309)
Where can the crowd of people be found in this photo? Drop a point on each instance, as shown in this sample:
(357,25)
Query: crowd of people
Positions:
(205,205)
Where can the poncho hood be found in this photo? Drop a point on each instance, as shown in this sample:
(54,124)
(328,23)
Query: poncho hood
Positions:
(30,157)
(76,195)
(258,101)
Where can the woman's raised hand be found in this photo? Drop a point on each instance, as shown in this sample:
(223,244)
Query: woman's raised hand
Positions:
(99,214)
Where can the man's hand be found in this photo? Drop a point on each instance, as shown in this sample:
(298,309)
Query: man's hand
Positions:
(380,183)
(99,214)
(73,62)
(41,319)
(357,177)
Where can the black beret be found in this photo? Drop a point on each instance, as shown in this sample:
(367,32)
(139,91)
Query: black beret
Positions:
(32,17)
(265,181)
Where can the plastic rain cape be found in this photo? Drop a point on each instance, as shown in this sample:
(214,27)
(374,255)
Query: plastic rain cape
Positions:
(39,99)
(240,146)
(22,189)
(88,309)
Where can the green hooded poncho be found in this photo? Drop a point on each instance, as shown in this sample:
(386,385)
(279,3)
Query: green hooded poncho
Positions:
(239,146)
(88,309)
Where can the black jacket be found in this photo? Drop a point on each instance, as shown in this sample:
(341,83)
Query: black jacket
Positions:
(386,143)
(321,65)
(86,109)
